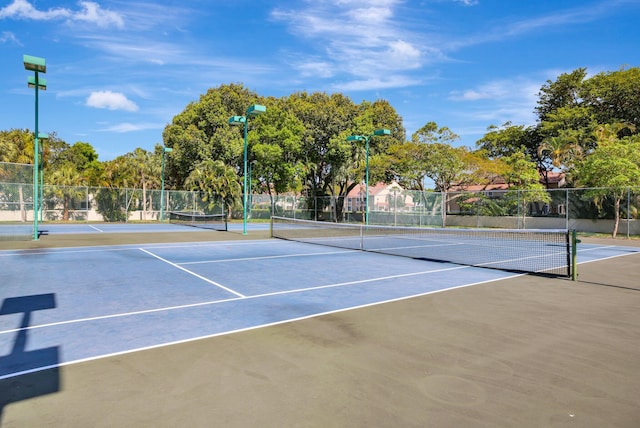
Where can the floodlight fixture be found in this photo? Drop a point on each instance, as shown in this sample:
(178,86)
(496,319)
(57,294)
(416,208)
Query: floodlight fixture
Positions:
(34,63)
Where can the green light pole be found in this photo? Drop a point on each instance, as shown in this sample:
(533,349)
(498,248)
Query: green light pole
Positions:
(377,132)
(242,120)
(253,162)
(42,137)
(37,65)
(164,150)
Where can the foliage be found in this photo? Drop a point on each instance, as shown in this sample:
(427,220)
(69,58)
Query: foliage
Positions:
(614,165)
(587,127)
(215,181)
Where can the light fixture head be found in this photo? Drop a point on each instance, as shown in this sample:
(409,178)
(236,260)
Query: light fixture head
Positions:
(42,83)
(356,138)
(237,120)
(381,132)
(256,109)
(33,63)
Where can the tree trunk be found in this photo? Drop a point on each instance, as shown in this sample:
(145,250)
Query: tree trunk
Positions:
(23,212)
(616,217)
(144,199)
(65,207)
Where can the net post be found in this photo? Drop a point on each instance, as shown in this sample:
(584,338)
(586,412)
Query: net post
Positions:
(271,227)
(574,255)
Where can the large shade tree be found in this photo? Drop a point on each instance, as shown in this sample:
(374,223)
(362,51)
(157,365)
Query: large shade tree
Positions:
(610,170)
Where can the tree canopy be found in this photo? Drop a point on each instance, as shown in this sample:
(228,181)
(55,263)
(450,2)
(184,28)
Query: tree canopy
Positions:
(587,126)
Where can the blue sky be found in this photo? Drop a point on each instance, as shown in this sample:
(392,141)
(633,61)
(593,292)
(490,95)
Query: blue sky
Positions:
(118,71)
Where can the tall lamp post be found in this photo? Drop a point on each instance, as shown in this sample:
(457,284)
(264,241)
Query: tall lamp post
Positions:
(253,162)
(37,65)
(41,137)
(377,132)
(164,150)
(242,120)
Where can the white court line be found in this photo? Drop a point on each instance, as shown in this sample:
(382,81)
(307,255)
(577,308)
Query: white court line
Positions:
(56,251)
(606,258)
(596,248)
(126,247)
(256,296)
(192,273)
(225,333)
(283,256)
(93,227)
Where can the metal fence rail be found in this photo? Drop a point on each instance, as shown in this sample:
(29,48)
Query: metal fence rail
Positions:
(586,210)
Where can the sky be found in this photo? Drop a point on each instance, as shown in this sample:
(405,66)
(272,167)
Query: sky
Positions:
(118,71)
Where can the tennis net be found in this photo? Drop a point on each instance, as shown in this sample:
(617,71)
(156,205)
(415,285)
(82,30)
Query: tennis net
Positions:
(545,252)
(206,221)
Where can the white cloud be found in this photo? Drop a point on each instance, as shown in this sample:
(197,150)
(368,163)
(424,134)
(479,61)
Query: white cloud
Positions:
(341,30)
(132,127)
(501,101)
(8,36)
(111,100)
(386,82)
(313,68)
(90,12)
(468,2)
(499,90)
(22,9)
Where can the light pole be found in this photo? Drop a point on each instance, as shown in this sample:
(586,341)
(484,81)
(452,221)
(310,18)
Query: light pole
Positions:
(164,150)
(377,132)
(41,137)
(37,65)
(242,120)
(253,162)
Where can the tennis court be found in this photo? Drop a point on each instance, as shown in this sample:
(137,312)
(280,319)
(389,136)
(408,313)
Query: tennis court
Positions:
(277,333)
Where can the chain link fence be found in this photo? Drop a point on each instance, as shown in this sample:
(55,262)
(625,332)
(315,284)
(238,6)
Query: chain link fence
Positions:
(98,204)
(585,210)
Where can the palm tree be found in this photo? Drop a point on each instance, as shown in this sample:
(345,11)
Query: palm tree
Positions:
(16,147)
(65,180)
(563,150)
(215,181)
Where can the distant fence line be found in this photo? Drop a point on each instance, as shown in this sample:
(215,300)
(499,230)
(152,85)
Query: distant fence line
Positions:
(586,210)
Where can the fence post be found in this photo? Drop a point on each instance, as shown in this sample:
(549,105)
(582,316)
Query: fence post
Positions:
(518,211)
(628,211)
(443,207)
(574,255)
(86,197)
(566,208)
(478,211)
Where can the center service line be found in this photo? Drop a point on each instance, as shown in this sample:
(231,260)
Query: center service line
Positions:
(193,273)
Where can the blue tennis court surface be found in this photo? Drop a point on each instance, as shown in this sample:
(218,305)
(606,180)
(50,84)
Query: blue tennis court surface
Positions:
(84,228)
(60,306)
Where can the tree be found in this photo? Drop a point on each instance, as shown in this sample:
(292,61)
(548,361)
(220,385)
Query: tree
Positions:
(216,182)
(16,146)
(614,96)
(610,169)
(523,175)
(275,151)
(562,150)
(509,139)
(202,132)
(144,168)
(564,92)
(65,180)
